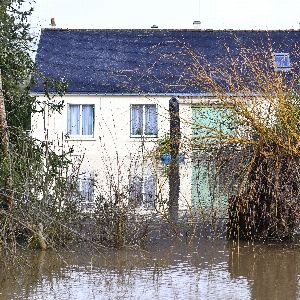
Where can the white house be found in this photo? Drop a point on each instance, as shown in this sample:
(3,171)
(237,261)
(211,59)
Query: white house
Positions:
(116,108)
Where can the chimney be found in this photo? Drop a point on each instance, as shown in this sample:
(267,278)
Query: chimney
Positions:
(52,23)
(154,27)
(196,24)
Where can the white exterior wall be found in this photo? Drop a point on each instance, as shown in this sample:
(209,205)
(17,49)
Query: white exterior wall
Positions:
(111,154)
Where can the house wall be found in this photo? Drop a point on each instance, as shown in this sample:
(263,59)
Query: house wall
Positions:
(112,155)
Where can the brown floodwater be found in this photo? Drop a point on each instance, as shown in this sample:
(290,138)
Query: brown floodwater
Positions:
(209,269)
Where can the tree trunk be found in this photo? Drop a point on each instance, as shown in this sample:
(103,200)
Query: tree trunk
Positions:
(8,191)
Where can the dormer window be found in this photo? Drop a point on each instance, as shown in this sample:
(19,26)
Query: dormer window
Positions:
(282,61)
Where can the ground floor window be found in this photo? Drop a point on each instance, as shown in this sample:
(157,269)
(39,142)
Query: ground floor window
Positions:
(85,188)
(142,190)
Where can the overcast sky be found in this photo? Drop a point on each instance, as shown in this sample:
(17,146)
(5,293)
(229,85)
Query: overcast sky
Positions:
(216,14)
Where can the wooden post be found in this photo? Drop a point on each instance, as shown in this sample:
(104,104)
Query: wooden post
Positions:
(8,197)
(174,178)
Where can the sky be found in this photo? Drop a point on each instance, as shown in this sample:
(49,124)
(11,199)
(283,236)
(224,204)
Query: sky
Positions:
(213,14)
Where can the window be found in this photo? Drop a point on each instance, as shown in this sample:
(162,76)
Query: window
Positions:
(212,121)
(282,61)
(144,120)
(85,188)
(142,190)
(81,120)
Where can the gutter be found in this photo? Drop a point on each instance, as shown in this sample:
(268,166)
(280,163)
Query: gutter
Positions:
(153,94)
(132,94)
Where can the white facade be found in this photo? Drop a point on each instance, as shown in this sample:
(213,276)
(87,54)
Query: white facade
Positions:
(116,159)
(112,154)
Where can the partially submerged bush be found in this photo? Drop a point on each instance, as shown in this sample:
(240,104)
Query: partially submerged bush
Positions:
(268,206)
(41,193)
(118,223)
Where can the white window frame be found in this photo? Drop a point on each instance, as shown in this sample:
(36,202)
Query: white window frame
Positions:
(143,179)
(283,54)
(80,121)
(144,121)
(86,203)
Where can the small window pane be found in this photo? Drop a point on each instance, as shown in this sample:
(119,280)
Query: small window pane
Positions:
(87,119)
(74,120)
(150,120)
(137,119)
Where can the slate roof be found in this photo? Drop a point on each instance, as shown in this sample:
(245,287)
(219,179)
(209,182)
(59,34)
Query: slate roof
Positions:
(139,61)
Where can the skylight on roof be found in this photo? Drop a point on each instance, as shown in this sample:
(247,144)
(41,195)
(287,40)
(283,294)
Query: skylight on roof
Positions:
(282,61)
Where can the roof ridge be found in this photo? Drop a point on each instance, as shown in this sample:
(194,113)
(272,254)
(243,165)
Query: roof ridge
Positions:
(158,29)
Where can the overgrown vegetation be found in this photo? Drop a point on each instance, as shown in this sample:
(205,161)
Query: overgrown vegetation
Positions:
(32,175)
(261,159)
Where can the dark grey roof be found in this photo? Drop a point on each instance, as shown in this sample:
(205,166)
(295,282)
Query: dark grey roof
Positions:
(133,61)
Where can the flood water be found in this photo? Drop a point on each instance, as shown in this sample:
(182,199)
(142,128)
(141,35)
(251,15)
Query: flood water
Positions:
(210,269)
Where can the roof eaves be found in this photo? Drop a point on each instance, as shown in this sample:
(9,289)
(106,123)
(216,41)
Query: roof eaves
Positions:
(132,94)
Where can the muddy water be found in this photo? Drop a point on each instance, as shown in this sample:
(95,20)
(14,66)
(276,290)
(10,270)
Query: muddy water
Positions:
(168,270)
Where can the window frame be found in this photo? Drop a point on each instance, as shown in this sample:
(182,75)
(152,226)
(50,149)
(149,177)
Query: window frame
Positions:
(143,180)
(87,201)
(214,107)
(207,106)
(285,55)
(144,123)
(80,135)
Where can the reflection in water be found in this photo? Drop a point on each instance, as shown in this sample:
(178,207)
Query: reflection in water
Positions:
(169,270)
(273,270)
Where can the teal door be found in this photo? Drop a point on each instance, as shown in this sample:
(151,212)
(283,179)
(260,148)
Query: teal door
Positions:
(210,123)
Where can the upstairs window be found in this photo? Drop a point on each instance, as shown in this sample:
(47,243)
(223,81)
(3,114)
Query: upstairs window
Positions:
(210,123)
(143,120)
(282,61)
(81,120)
